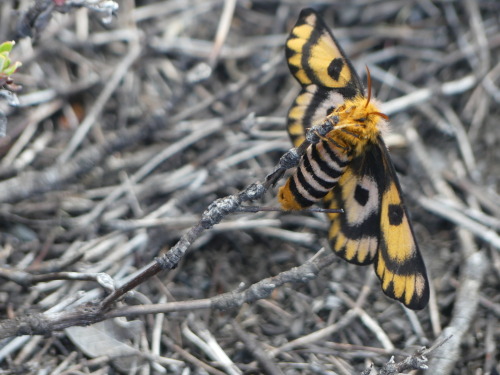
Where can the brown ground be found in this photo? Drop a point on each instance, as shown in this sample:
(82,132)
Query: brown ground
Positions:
(127,132)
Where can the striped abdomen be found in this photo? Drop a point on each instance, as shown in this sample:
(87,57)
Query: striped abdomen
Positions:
(319,170)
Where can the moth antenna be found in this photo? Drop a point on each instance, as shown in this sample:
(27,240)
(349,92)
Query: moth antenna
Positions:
(369,83)
(383,115)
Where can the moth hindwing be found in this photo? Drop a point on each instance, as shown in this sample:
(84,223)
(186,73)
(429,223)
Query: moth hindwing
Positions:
(350,167)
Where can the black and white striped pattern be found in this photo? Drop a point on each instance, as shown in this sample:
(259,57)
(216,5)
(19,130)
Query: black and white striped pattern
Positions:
(319,170)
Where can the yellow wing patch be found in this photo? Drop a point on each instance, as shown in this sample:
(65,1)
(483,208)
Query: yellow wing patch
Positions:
(395,227)
(399,264)
(350,168)
(314,56)
(352,235)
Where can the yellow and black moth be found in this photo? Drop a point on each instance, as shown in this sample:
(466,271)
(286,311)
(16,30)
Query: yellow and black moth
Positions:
(350,167)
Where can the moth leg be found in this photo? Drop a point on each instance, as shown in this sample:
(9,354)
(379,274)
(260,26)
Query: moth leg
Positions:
(342,128)
(333,142)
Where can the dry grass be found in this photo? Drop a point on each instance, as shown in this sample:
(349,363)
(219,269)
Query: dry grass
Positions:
(128,131)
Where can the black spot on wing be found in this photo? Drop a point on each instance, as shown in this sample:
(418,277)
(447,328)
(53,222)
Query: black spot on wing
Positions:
(361,195)
(396,214)
(335,68)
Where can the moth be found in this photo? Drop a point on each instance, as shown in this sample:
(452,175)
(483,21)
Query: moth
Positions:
(350,167)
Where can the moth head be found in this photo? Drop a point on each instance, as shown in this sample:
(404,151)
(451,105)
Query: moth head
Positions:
(358,120)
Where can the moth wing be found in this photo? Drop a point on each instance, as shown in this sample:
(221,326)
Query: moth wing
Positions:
(375,226)
(315,58)
(399,264)
(327,77)
(354,235)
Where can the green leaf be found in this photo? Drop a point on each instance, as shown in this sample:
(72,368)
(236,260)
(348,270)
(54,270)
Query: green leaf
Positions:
(6,46)
(11,69)
(6,66)
(4,62)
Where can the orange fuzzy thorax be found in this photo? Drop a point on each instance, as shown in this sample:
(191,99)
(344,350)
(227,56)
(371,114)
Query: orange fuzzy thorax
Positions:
(359,122)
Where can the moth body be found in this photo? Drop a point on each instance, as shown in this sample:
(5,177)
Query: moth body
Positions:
(359,122)
(350,167)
